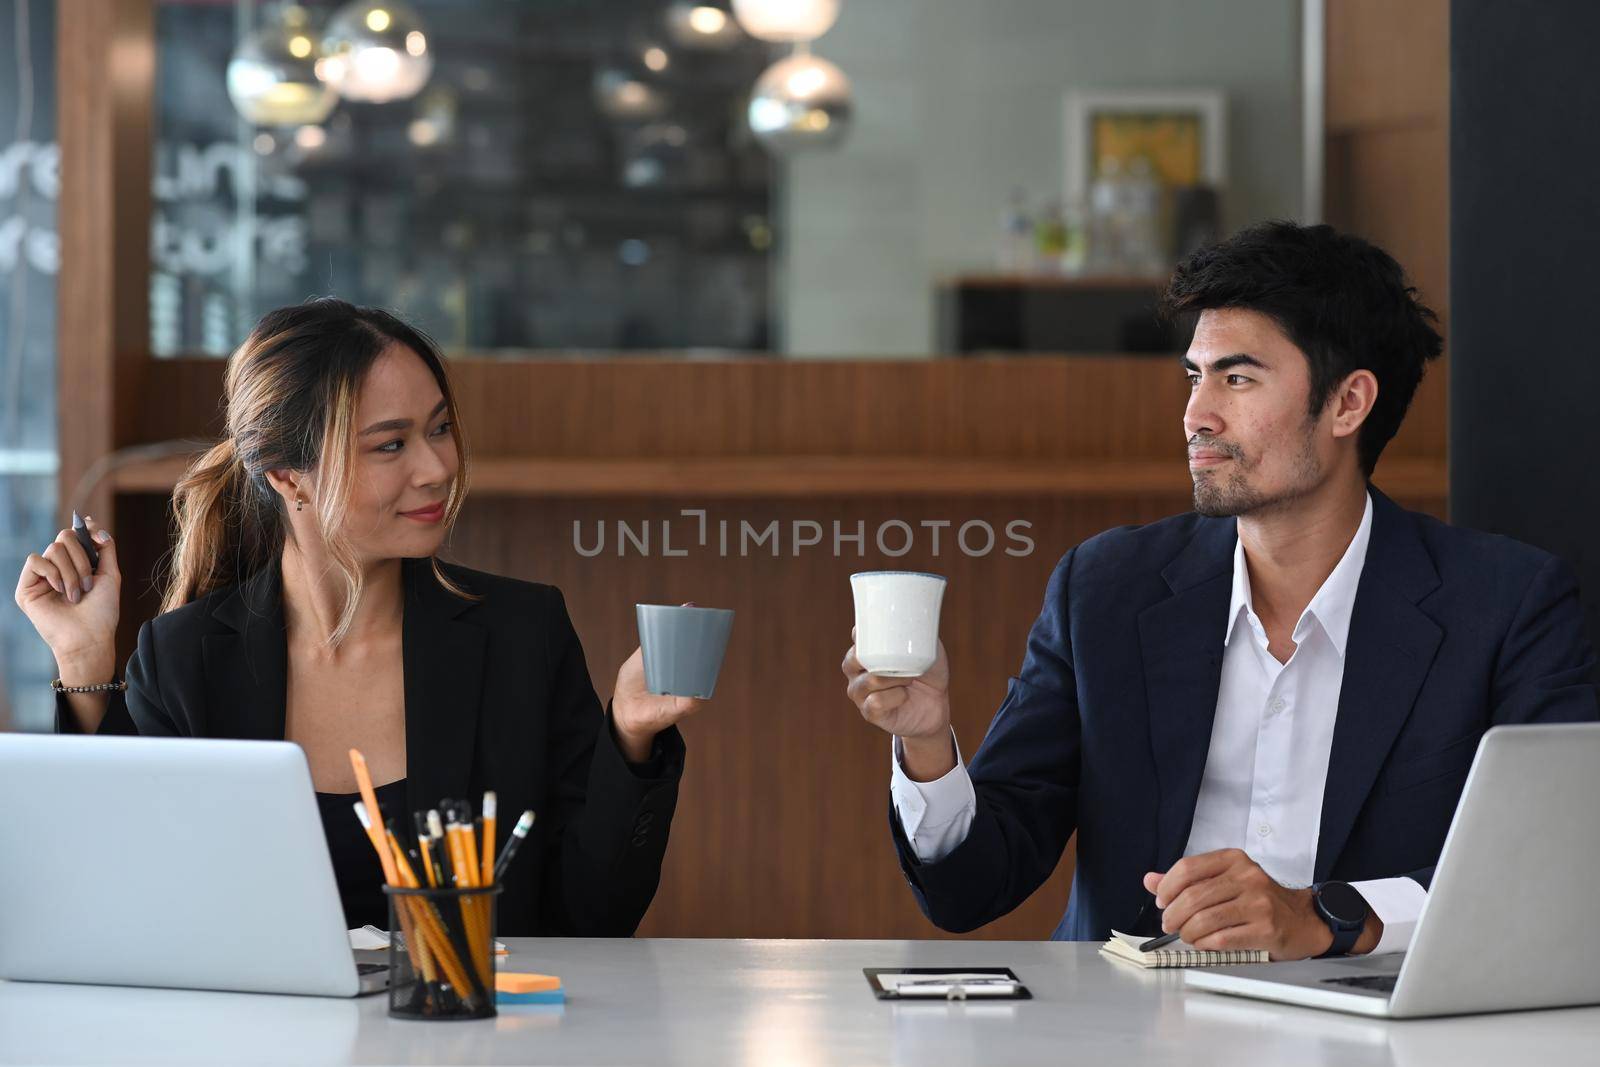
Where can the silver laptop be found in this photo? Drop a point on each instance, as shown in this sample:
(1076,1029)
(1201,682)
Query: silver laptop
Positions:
(182,863)
(1509,915)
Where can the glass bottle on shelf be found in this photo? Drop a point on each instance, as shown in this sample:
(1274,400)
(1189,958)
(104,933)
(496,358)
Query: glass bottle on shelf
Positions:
(1016,235)
(1075,255)
(1050,237)
(1106,220)
(1141,194)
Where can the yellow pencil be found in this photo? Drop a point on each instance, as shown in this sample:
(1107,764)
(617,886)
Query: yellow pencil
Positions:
(374,821)
(371,817)
(486,859)
(469,844)
(427,860)
(467,878)
(487,867)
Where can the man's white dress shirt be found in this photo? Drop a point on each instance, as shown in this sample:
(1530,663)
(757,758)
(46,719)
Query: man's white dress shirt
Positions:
(1268,760)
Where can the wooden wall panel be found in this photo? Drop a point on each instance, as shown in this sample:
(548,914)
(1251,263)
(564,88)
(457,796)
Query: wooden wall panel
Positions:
(1385,61)
(1387,162)
(106,75)
(1074,408)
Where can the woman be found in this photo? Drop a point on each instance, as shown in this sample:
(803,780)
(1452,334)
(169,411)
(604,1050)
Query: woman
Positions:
(305,602)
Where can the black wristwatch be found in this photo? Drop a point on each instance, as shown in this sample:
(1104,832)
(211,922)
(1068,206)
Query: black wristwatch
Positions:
(1344,910)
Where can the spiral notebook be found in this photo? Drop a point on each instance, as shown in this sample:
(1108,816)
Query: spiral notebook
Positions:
(1126,947)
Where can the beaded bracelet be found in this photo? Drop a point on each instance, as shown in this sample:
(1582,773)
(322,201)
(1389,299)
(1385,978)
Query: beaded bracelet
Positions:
(103,687)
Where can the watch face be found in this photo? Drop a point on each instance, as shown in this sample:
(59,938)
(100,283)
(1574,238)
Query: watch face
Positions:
(1342,902)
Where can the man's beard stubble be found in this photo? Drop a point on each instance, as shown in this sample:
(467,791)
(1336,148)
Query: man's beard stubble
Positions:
(1222,498)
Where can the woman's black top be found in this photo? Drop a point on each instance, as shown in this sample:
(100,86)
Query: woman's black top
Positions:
(497,696)
(355,864)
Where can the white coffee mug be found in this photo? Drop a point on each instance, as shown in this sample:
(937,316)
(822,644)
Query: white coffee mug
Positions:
(897,621)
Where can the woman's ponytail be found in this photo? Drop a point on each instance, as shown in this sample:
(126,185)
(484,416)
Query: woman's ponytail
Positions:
(205,507)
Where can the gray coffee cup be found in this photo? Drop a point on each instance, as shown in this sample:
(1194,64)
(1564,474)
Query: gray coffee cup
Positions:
(683,648)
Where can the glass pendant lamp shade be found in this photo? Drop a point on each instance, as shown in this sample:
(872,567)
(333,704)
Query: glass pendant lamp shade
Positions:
(702,24)
(375,51)
(801,103)
(272,77)
(786,21)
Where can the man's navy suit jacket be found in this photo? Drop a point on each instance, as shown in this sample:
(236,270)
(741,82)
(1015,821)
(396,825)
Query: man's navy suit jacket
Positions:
(1105,730)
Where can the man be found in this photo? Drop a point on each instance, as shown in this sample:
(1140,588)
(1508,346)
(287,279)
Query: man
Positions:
(1257,718)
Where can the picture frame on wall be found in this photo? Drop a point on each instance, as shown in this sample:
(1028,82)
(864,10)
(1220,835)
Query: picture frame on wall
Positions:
(1183,132)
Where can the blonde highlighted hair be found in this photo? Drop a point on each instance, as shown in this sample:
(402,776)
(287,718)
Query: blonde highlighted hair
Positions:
(290,395)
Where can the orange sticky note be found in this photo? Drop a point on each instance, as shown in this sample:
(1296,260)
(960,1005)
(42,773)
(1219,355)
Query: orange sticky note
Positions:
(511,982)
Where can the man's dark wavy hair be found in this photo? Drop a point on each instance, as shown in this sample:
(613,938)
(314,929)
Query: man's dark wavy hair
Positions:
(1343,301)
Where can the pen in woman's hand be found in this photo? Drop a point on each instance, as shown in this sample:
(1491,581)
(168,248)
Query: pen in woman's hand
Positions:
(86,541)
(73,606)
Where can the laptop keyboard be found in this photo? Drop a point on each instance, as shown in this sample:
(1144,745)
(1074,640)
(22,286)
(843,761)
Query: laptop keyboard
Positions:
(1380,983)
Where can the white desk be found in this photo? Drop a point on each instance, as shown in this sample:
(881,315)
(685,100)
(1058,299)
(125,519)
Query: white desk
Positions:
(777,1004)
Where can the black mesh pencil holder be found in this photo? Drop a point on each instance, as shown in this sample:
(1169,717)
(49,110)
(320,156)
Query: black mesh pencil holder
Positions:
(441,953)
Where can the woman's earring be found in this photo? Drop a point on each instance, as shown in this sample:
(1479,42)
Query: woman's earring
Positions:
(299,503)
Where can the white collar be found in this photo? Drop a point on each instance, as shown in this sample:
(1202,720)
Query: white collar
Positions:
(1334,602)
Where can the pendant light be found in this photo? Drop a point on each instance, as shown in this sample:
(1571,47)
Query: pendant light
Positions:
(375,51)
(272,77)
(801,103)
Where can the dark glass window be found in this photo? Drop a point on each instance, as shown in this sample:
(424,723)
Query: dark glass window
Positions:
(570,177)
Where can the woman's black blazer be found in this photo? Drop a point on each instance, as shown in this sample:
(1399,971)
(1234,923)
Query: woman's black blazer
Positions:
(497,697)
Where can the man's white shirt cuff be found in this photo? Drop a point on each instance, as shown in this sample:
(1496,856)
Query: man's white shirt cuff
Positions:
(935,815)
(1398,902)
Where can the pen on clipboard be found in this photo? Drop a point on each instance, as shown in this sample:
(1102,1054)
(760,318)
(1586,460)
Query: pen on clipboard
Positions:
(974,982)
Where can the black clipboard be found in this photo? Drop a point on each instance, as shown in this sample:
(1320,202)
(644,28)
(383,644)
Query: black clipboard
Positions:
(881,993)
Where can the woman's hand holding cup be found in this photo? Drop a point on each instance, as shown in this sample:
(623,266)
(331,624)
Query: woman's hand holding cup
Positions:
(671,675)
(639,714)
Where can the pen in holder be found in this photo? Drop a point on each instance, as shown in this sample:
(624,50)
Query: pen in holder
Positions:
(441,952)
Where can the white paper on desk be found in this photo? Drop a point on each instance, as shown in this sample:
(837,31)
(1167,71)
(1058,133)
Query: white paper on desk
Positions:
(946,982)
(370,937)
(367,938)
